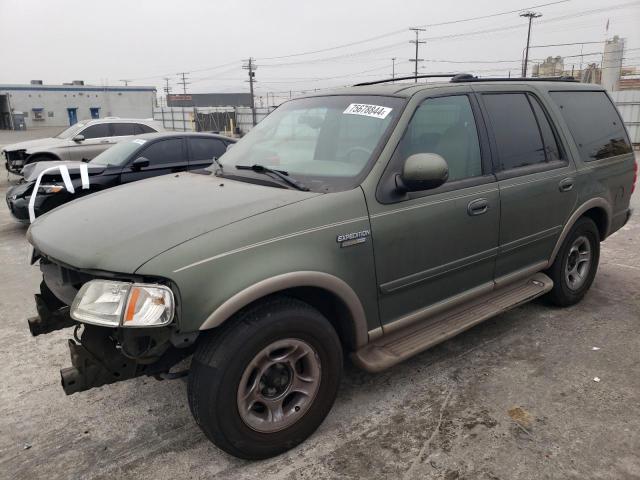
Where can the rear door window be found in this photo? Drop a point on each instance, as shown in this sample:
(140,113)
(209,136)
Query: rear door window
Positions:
(164,151)
(205,149)
(124,129)
(515,129)
(594,123)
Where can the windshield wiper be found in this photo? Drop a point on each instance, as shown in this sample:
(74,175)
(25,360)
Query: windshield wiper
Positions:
(281,174)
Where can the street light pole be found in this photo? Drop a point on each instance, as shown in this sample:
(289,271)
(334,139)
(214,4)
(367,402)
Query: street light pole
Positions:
(530,15)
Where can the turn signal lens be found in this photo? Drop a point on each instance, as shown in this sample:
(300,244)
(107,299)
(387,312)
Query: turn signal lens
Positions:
(148,306)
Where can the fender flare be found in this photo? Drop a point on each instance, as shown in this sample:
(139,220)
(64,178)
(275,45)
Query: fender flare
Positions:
(597,202)
(285,281)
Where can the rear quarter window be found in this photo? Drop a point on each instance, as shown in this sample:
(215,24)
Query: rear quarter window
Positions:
(594,123)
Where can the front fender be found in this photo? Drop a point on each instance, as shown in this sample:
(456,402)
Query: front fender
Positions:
(293,246)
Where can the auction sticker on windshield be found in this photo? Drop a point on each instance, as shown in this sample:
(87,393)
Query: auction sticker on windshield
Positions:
(375,111)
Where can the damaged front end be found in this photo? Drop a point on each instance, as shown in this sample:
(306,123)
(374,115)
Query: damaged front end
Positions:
(15,160)
(100,353)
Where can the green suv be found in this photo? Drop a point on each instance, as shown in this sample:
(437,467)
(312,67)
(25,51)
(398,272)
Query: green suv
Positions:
(371,222)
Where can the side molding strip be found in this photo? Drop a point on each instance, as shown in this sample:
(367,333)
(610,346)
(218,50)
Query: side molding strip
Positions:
(291,280)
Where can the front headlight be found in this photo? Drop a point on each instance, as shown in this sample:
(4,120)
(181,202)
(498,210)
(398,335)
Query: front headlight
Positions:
(121,304)
(50,188)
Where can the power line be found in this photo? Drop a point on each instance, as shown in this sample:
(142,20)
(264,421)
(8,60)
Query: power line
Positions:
(396,32)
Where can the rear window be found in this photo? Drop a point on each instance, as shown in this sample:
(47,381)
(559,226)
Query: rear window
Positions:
(594,123)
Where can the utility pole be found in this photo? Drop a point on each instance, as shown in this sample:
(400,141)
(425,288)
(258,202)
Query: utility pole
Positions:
(251,67)
(166,88)
(184,84)
(530,15)
(393,68)
(417,43)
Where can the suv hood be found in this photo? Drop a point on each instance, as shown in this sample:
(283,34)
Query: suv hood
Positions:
(41,143)
(31,171)
(119,229)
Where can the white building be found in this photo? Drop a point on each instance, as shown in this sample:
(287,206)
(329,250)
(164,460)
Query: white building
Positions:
(38,105)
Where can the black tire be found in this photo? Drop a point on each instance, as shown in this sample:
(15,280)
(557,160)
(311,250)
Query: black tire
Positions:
(223,355)
(562,294)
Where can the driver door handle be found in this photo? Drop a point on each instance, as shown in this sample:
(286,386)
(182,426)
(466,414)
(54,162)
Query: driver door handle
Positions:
(566,185)
(478,206)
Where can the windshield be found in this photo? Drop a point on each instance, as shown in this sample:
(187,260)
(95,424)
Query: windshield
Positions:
(70,131)
(325,142)
(119,153)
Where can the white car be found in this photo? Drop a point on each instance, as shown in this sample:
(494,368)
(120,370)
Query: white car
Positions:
(81,141)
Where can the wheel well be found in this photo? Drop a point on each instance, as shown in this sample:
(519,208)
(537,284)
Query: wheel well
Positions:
(599,216)
(42,155)
(330,305)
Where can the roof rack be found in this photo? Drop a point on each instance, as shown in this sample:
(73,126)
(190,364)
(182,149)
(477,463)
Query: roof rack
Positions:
(387,80)
(467,77)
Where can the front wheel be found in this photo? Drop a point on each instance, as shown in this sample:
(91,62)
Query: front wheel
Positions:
(262,384)
(576,264)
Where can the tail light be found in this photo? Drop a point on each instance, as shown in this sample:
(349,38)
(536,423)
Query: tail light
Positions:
(635,176)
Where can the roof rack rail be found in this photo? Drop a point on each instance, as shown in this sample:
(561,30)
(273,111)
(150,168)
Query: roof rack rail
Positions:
(412,77)
(467,77)
(471,78)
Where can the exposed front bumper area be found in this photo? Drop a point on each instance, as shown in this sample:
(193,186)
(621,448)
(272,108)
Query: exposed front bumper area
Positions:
(15,160)
(103,355)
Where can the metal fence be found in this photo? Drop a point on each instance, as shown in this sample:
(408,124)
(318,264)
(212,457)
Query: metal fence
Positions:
(225,120)
(628,103)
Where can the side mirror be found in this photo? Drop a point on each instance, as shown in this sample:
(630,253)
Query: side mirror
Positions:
(422,171)
(139,163)
(78,138)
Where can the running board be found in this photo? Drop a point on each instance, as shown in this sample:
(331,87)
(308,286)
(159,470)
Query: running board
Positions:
(391,349)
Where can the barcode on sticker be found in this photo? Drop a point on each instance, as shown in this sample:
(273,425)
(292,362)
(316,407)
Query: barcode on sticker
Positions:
(375,111)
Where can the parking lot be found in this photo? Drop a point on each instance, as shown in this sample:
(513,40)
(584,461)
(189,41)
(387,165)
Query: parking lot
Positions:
(538,392)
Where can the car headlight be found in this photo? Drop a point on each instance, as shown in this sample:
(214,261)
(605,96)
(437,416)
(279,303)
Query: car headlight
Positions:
(50,188)
(121,304)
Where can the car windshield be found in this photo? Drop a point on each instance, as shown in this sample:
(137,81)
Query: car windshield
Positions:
(118,154)
(327,143)
(70,131)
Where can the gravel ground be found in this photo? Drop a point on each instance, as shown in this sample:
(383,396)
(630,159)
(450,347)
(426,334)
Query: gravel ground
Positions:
(513,398)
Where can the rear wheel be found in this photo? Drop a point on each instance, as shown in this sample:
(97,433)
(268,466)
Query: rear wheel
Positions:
(263,383)
(576,264)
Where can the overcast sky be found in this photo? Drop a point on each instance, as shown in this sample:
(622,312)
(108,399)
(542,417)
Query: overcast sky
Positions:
(144,40)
